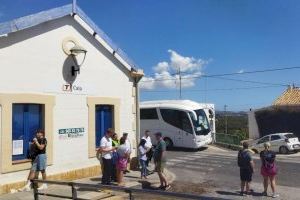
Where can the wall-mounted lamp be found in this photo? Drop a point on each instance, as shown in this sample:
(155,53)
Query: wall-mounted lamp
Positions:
(77,52)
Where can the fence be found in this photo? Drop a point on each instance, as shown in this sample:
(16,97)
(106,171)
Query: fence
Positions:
(75,186)
(228,139)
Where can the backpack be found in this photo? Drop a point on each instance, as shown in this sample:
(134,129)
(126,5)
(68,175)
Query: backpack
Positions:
(243,159)
(269,158)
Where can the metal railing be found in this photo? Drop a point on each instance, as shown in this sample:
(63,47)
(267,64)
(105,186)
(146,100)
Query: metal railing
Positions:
(228,139)
(75,186)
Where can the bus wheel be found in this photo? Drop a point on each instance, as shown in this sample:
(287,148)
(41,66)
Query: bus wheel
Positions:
(169,143)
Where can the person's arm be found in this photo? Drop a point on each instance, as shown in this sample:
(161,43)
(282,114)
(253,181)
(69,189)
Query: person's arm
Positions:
(40,146)
(104,149)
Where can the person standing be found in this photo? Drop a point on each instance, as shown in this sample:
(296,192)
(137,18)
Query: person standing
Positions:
(268,169)
(159,157)
(115,143)
(39,160)
(106,150)
(128,145)
(246,164)
(143,158)
(123,154)
(148,146)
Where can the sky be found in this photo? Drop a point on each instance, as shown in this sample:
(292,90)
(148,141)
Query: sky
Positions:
(201,38)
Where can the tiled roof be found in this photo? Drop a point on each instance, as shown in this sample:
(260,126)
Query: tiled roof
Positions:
(290,97)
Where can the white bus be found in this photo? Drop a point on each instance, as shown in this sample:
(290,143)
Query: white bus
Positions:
(183,123)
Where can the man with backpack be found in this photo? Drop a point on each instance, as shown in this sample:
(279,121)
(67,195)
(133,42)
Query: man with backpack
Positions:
(246,164)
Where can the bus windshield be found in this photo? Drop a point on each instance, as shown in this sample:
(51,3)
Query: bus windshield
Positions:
(201,124)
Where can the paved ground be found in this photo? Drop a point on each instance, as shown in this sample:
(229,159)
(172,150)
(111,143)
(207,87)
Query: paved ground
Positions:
(213,172)
(132,180)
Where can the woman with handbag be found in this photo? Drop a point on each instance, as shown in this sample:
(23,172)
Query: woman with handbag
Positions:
(268,169)
(123,155)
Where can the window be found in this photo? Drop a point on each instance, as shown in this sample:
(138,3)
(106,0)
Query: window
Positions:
(275,137)
(290,135)
(104,120)
(26,119)
(149,113)
(202,126)
(177,118)
(263,140)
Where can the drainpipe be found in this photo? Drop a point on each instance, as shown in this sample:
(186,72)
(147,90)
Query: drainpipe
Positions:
(137,75)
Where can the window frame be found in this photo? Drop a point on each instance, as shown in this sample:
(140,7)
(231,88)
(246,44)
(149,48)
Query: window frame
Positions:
(6,102)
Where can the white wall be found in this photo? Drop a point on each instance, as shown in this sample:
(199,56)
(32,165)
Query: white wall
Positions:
(253,128)
(32,61)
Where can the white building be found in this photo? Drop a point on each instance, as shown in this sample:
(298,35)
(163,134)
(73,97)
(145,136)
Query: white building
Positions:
(39,88)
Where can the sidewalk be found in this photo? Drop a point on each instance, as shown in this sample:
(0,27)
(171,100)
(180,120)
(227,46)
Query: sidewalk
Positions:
(286,193)
(131,180)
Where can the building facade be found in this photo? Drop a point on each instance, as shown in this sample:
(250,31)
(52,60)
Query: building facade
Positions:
(282,116)
(40,87)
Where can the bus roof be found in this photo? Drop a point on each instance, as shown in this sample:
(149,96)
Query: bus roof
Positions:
(179,104)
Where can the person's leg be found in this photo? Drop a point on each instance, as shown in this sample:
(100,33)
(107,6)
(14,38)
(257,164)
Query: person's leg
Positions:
(273,184)
(160,179)
(247,187)
(109,170)
(266,183)
(144,169)
(242,186)
(104,172)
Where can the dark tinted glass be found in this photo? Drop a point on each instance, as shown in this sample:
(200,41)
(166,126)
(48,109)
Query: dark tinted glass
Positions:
(177,118)
(275,137)
(290,135)
(149,113)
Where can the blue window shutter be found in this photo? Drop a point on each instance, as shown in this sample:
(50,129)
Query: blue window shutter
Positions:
(27,118)
(104,120)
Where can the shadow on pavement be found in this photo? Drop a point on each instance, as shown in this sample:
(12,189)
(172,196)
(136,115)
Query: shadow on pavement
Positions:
(187,149)
(147,185)
(237,193)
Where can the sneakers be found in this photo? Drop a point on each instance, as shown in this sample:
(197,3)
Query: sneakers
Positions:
(275,195)
(264,194)
(26,188)
(43,187)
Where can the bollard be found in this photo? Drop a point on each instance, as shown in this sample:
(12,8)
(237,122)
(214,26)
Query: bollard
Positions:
(74,192)
(35,190)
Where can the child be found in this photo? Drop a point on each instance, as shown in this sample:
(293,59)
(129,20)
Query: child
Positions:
(143,158)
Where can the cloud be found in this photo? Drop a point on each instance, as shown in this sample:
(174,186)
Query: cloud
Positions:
(241,71)
(166,73)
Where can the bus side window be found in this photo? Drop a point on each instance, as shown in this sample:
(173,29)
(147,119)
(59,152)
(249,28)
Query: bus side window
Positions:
(185,122)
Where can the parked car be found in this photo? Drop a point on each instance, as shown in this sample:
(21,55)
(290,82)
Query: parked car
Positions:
(280,142)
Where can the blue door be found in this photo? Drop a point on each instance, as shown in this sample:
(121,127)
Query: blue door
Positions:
(104,120)
(26,119)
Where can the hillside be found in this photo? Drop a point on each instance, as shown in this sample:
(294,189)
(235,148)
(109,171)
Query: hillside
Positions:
(237,123)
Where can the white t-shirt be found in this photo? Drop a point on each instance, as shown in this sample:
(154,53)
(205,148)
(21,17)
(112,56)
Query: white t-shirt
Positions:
(122,150)
(106,143)
(148,144)
(142,153)
(128,145)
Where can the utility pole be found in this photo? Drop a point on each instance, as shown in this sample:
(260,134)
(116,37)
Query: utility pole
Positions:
(179,73)
(225,110)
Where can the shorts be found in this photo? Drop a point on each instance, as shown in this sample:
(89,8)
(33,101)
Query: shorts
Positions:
(39,163)
(160,166)
(246,174)
(268,172)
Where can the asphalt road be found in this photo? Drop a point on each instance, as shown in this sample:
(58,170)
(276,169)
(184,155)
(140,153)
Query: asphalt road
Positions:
(213,169)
